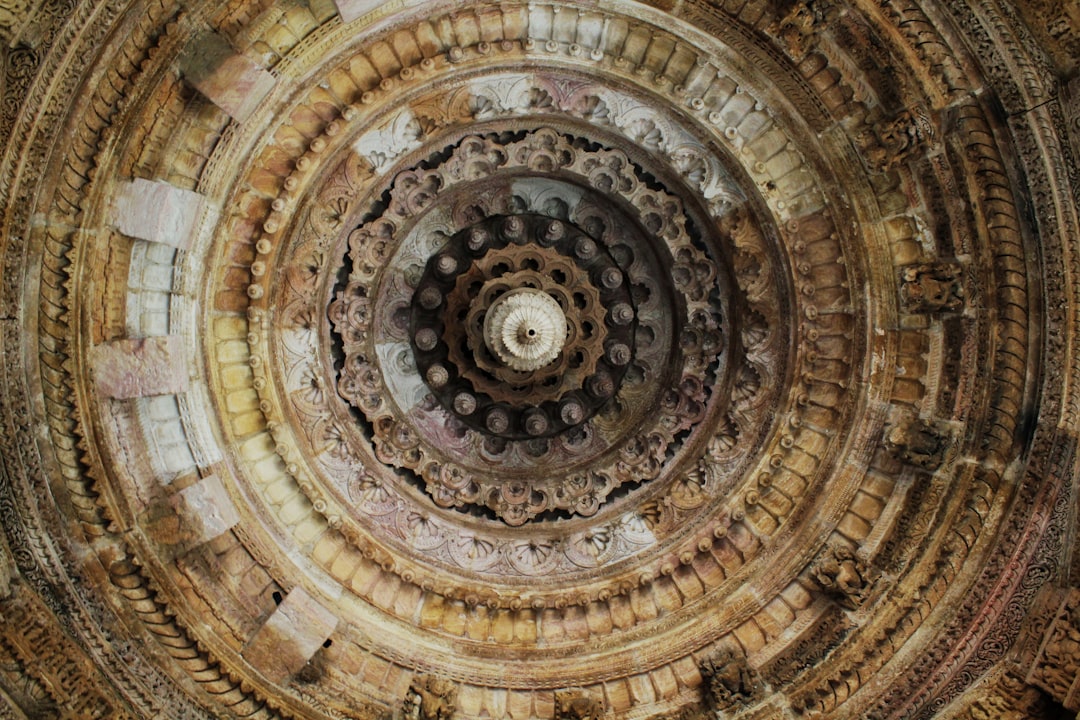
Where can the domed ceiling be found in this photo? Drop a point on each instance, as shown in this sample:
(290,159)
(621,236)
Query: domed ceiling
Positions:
(439,360)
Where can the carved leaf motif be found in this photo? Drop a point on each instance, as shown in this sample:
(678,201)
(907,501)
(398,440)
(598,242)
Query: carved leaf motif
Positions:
(474,552)
(387,142)
(532,557)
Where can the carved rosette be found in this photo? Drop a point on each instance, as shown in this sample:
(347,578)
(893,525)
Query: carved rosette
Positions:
(478,339)
(524,424)
(525,328)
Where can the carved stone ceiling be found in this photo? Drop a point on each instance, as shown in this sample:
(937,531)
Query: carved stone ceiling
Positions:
(678,359)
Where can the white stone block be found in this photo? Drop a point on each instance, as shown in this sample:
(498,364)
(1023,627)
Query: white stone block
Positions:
(157,212)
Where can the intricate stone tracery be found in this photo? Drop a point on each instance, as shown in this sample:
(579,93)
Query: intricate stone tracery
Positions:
(606,284)
(794,390)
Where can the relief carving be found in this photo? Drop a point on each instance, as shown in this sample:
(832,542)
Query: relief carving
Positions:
(891,142)
(800,21)
(578,704)
(583,493)
(932,288)
(625,319)
(1006,697)
(843,577)
(1057,664)
(15,17)
(729,680)
(430,698)
(918,442)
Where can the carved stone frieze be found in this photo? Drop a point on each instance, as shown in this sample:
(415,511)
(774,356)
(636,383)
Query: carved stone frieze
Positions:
(42,669)
(1056,669)
(1005,695)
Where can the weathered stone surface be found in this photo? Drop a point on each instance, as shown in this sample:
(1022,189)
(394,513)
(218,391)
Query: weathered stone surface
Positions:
(577,704)
(728,681)
(355,9)
(17,21)
(157,212)
(290,636)
(140,367)
(228,79)
(206,509)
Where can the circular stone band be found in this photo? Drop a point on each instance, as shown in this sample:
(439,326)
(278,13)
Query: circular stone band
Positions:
(474,307)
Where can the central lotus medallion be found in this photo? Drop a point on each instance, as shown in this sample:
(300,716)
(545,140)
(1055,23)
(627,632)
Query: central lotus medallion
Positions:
(529,321)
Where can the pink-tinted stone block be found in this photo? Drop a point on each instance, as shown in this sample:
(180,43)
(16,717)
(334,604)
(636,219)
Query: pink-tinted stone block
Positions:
(290,636)
(350,10)
(231,81)
(207,509)
(157,212)
(140,367)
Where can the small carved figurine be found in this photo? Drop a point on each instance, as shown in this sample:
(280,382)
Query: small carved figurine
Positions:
(799,22)
(899,138)
(919,443)
(430,698)
(729,680)
(932,287)
(575,704)
(842,576)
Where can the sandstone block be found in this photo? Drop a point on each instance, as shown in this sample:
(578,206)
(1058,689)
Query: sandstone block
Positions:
(207,509)
(140,367)
(290,636)
(157,212)
(228,79)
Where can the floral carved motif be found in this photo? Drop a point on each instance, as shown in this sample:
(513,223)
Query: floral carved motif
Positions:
(580,492)
(615,253)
